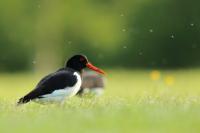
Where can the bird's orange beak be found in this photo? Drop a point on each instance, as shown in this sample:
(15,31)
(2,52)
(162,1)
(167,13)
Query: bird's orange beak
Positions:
(92,67)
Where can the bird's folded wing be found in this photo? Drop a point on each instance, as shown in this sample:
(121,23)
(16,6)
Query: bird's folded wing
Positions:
(50,83)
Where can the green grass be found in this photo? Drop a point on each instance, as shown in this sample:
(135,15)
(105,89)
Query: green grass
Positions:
(133,102)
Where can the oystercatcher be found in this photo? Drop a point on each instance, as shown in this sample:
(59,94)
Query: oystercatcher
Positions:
(64,83)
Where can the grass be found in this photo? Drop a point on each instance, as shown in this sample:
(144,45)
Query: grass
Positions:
(133,102)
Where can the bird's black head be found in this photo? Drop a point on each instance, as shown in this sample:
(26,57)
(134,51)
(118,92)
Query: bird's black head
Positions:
(79,62)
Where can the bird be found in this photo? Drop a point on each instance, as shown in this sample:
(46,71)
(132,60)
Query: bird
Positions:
(61,84)
(93,84)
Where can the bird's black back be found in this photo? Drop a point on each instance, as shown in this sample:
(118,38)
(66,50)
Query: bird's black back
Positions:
(59,80)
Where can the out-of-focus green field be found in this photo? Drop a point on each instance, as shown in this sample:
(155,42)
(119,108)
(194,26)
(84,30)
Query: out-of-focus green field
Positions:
(134,101)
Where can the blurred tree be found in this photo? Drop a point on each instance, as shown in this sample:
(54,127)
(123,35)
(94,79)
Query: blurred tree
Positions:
(147,33)
(164,34)
(15,44)
(49,29)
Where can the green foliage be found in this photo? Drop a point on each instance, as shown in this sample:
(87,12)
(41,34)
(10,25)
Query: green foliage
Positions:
(151,33)
(164,34)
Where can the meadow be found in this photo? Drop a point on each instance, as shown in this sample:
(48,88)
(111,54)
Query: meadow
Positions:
(140,101)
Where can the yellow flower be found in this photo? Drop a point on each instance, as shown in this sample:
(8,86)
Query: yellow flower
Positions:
(169,80)
(155,75)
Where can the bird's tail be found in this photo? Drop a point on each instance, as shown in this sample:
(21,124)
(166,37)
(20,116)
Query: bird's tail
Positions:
(22,100)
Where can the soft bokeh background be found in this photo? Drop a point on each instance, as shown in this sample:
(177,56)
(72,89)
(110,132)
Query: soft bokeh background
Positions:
(40,34)
(150,50)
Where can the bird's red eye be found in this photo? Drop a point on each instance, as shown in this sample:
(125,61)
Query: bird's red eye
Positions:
(82,59)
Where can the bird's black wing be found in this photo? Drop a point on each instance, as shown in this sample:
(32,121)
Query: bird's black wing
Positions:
(58,80)
(47,77)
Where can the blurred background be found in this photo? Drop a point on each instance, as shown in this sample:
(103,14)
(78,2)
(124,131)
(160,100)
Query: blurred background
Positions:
(150,50)
(39,35)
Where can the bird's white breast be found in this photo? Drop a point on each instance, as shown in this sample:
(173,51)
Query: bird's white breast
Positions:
(60,94)
(77,86)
